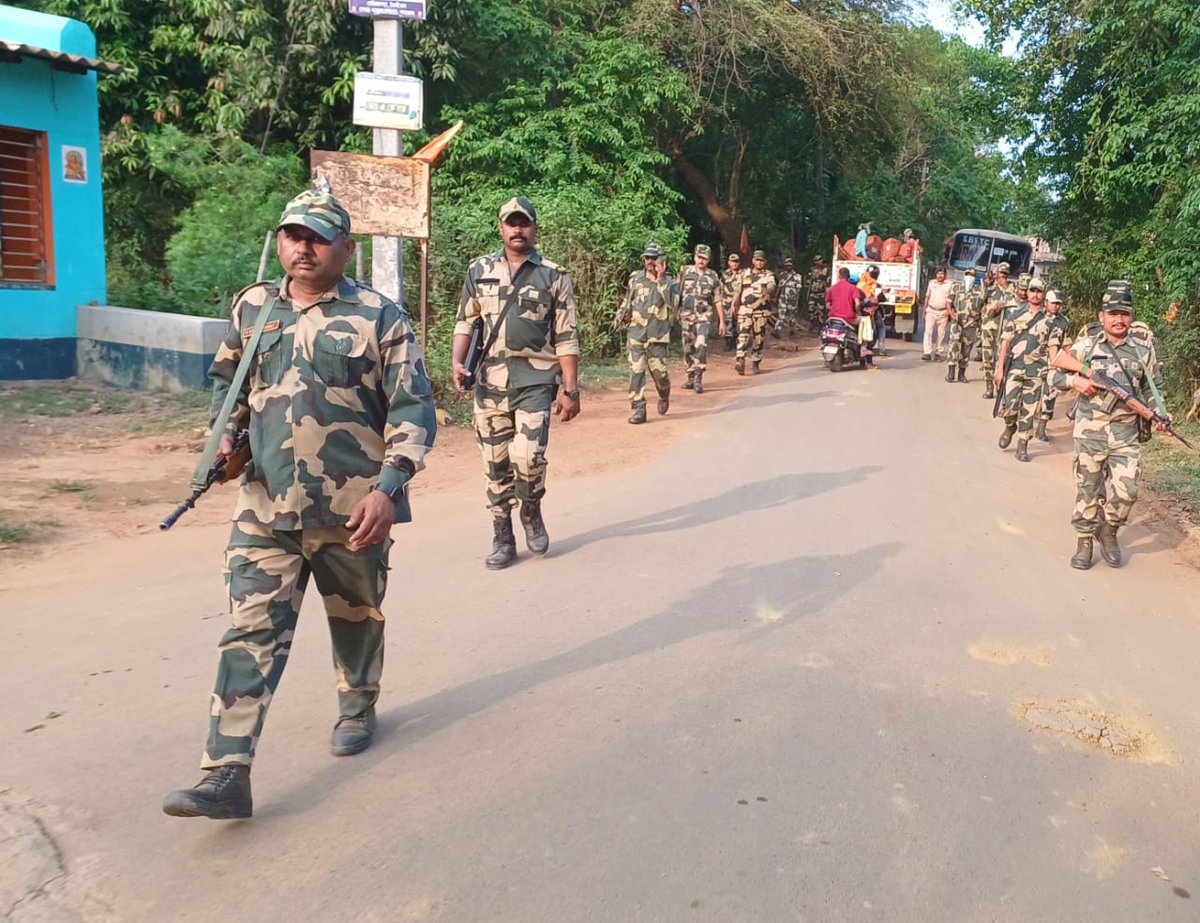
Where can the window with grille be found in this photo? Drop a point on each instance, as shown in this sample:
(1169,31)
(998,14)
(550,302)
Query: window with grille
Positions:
(26,251)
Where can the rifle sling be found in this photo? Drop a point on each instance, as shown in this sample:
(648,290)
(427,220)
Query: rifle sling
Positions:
(509,301)
(232,395)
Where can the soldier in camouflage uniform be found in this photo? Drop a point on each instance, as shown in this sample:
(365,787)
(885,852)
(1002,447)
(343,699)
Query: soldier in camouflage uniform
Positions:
(1029,334)
(731,285)
(1054,303)
(818,285)
(965,314)
(700,290)
(649,307)
(1107,456)
(340,415)
(527,305)
(1000,295)
(791,285)
(753,308)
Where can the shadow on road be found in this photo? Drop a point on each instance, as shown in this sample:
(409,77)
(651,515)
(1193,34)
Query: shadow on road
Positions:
(745,498)
(748,602)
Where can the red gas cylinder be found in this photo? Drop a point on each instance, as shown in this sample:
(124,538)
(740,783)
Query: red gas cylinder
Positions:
(889,250)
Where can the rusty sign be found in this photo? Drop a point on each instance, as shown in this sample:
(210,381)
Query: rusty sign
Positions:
(385,196)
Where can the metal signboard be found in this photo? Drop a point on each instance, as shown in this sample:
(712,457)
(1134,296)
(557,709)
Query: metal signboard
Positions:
(389,101)
(385,196)
(388,9)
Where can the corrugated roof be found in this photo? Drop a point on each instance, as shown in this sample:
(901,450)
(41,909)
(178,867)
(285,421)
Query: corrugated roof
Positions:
(73,63)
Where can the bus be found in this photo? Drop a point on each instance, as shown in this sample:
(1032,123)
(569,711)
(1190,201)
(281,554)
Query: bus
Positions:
(982,250)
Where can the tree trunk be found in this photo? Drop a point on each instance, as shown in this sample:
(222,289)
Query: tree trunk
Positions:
(723,216)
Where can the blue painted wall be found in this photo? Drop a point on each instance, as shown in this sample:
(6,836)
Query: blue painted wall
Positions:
(35,322)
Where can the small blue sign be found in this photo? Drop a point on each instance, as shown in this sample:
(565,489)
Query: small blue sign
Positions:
(388,9)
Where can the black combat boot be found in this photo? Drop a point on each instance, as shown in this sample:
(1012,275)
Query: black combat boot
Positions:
(1022,450)
(1082,559)
(639,414)
(223,794)
(664,402)
(1040,434)
(730,343)
(699,388)
(352,734)
(504,544)
(1006,436)
(950,374)
(536,538)
(1109,549)
(739,366)
(755,368)
(691,382)
(989,393)
(962,374)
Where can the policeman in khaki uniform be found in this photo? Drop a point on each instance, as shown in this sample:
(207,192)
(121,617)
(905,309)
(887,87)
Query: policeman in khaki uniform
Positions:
(1107,456)
(651,301)
(527,304)
(700,291)
(753,306)
(340,414)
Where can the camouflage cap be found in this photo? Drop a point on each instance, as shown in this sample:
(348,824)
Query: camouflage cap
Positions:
(652,251)
(1023,280)
(518,206)
(1003,267)
(703,250)
(317,211)
(969,271)
(1037,284)
(818,259)
(1053,297)
(759,255)
(1118,297)
(788,262)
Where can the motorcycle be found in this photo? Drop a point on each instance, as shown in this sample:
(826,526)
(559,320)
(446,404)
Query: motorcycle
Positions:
(839,345)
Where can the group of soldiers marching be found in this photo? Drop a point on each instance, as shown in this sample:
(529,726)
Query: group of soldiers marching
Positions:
(1026,361)
(747,303)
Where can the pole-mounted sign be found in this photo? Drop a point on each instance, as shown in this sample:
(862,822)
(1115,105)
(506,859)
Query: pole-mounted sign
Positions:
(388,9)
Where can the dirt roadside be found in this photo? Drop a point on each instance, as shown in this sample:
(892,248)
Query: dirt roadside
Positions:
(81,464)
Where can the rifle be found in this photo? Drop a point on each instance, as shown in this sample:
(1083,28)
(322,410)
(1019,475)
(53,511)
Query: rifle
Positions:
(223,469)
(1105,382)
(1003,382)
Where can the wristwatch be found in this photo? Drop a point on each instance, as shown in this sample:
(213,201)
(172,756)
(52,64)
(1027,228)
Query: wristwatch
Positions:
(394,494)
(573,395)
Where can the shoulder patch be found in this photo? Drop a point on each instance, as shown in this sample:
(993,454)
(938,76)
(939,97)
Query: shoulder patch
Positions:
(271,327)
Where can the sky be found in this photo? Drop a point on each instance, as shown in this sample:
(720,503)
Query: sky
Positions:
(940,14)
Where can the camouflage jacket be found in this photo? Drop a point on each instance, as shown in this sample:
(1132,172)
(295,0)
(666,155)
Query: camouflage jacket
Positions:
(540,326)
(757,289)
(818,282)
(1102,417)
(968,305)
(701,289)
(1029,334)
(731,287)
(336,400)
(648,307)
(791,284)
(997,298)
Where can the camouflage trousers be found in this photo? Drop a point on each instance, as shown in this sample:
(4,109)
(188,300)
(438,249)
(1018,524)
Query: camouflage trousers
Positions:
(989,334)
(789,316)
(267,572)
(1107,472)
(645,357)
(962,342)
(1049,399)
(1022,400)
(751,325)
(513,443)
(816,309)
(695,328)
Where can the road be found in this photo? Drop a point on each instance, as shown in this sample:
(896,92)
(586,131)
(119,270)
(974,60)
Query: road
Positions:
(820,658)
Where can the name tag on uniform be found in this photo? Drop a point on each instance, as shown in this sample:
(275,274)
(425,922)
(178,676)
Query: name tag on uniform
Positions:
(488,282)
(271,326)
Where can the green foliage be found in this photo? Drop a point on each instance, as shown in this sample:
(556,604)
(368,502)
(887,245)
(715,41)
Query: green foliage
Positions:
(13,532)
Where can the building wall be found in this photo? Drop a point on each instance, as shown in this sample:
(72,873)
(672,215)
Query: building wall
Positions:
(37,326)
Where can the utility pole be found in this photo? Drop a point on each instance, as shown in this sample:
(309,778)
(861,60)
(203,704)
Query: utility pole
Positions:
(387,253)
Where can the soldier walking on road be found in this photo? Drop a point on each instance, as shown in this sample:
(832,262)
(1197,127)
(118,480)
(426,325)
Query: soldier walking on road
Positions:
(531,348)
(1000,296)
(1054,303)
(648,311)
(753,306)
(700,293)
(731,286)
(1107,444)
(791,285)
(818,285)
(340,415)
(1027,337)
(965,315)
